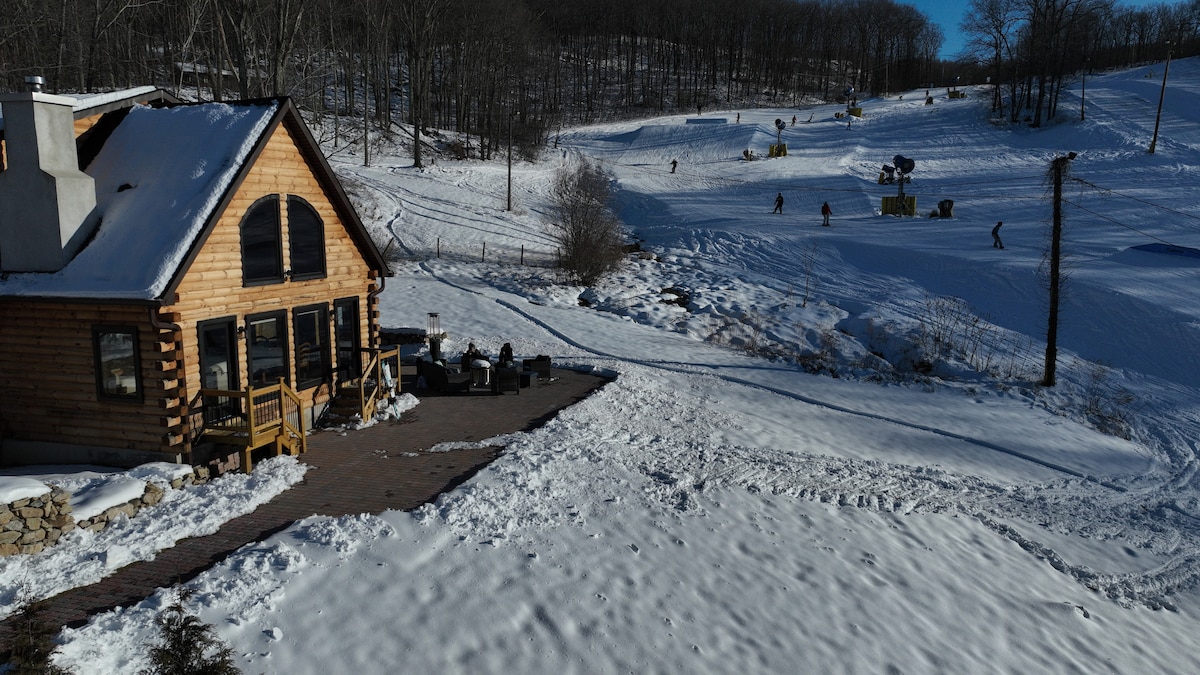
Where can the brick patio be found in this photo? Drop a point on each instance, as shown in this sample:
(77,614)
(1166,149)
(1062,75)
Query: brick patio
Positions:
(386,466)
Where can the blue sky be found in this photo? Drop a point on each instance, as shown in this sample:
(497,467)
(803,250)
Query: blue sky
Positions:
(948,14)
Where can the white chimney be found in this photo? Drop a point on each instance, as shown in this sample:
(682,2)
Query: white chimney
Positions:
(45,200)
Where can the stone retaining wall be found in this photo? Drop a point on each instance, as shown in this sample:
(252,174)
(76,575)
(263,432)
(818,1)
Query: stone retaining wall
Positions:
(28,526)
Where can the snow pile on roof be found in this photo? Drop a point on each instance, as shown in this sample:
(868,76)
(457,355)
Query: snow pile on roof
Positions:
(158,179)
(87,101)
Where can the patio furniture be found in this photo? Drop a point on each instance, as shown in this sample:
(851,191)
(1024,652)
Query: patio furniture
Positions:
(445,380)
(506,379)
(539,365)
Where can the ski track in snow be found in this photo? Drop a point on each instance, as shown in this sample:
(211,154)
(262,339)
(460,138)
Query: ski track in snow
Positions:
(691,368)
(573,539)
(1144,520)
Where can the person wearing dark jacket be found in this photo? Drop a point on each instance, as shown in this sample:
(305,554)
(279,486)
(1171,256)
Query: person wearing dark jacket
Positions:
(825,213)
(996,243)
(778,203)
(506,356)
(471,354)
(476,363)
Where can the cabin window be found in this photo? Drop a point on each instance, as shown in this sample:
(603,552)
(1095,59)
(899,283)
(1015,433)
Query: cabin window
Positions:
(218,354)
(266,348)
(311,332)
(118,367)
(306,238)
(262,250)
(346,333)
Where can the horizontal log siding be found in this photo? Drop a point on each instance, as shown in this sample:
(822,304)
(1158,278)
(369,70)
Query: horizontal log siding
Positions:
(48,379)
(212,287)
(84,123)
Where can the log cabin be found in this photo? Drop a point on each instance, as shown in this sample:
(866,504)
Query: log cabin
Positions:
(182,282)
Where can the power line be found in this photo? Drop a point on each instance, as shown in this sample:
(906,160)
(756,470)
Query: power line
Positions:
(1138,199)
(1120,224)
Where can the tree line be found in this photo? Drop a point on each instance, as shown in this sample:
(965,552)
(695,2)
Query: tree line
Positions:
(514,71)
(1035,47)
(488,69)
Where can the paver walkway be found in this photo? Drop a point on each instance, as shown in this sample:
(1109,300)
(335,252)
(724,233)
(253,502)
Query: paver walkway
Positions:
(386,466)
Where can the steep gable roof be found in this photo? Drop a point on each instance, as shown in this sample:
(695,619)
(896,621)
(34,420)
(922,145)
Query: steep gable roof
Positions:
(164,176)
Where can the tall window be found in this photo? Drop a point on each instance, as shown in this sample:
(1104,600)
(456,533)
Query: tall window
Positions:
(118,368)
(266,348)
(262,250)
(306,235)
(346,333)
(311,332)
(218,354)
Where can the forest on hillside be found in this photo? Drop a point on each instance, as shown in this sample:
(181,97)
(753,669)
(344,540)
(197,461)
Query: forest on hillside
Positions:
(500,69)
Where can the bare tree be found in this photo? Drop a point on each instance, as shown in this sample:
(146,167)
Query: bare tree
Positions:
(529,65)
(589,235)
(990,27)
(419,21)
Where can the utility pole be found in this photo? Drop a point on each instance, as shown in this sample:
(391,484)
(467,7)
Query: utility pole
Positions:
(366,123)
(1058,166)
(1161,95)
(1083,91)
(510,132)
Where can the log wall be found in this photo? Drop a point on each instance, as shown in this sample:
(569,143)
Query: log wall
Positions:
(212,287)
(48,378)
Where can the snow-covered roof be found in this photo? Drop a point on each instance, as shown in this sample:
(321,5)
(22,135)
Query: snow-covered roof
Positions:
(89,103)
(159,177)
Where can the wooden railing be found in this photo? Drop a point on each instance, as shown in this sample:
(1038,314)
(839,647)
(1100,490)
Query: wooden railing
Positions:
(380,378)
(251,418)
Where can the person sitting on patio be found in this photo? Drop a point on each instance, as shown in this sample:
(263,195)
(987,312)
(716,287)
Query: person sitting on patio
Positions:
(470,355)
(506,356)
(479,365)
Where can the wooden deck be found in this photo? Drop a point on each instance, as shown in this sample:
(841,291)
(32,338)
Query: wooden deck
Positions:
(386,466)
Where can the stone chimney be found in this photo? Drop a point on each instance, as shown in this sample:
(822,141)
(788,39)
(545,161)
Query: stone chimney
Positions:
(47,205)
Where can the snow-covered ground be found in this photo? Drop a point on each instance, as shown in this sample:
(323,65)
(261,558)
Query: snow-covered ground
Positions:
(835,458)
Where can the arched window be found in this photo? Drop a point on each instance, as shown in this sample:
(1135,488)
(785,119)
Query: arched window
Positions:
(306,234)
(262,250)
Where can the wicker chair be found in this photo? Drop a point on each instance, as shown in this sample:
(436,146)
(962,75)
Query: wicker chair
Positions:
(506,379)
(540,365)
(441,379)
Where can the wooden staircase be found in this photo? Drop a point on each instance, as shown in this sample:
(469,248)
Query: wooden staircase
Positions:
(250,419)
(359,398)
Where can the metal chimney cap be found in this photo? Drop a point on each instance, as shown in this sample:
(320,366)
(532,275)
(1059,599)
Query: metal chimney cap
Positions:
(35,82)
